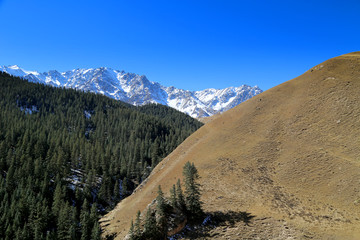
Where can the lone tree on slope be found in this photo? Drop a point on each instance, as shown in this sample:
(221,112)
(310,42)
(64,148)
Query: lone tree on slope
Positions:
(192,192)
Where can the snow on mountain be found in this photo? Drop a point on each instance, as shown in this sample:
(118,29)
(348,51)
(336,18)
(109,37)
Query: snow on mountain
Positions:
(138,90)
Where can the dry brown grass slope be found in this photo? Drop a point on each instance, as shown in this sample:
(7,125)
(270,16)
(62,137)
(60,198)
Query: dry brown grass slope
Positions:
(290,156)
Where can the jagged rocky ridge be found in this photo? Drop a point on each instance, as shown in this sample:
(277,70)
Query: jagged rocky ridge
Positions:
(138,90)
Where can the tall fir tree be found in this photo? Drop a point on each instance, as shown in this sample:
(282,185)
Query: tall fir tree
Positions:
(151,231)
(131,233)
(161,213)
(85,221)
(192,192)
(96,232)
(173,197)
(180,201)
(137,225)
(64,223)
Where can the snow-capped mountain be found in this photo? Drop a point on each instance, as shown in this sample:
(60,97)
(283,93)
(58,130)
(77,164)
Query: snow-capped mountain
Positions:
(138,90)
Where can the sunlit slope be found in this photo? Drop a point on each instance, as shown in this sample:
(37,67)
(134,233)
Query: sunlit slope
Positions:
(291,153)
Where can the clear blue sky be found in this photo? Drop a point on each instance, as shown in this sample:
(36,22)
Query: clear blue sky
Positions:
(187,44)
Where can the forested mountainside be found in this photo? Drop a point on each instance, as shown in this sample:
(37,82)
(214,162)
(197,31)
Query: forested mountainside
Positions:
(67,156)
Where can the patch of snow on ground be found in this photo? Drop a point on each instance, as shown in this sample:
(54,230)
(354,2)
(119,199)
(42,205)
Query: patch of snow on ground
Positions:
(29,110)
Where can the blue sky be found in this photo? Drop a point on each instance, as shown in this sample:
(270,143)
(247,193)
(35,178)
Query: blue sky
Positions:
(187,44)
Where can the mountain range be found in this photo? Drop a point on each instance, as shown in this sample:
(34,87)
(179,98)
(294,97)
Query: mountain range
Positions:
(138,90)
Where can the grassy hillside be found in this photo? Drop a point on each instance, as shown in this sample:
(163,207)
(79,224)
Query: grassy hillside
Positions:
(289,157)
(66,156)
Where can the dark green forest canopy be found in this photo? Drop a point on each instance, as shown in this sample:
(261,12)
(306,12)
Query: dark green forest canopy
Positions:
(66,155)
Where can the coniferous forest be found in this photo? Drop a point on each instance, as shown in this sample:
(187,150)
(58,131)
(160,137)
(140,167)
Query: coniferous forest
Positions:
(68,156)
(169,214)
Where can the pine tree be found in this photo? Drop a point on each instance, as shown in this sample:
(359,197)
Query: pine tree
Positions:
(95,233)
(132,231)
(9,232)
(57,200)
(79,196)
(151,231)
(85,221)
(137,225)
(124,189)
(160,201)
(116,192)
(180,201)
(161,212)
(64,223)
(192,191)
(74,223)
(173,197)
(93,213)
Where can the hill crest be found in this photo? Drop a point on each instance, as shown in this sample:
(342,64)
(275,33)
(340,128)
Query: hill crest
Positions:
(288,156)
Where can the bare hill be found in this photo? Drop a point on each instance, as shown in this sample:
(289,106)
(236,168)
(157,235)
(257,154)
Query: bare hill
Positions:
(289,156)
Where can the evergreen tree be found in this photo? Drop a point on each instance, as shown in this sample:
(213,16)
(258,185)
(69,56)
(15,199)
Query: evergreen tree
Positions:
(173,197)
(85,222)
(64,223)
(161,213)
(151,231)
(74,224)
(116,192)
(124,189)
(137,226)
(180,201)
(9,233)
(57,200)
(192,191)
(94,213)
(132,231)
(95,233)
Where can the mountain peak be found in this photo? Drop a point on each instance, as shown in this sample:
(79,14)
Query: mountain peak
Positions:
(15,67)
(139,90)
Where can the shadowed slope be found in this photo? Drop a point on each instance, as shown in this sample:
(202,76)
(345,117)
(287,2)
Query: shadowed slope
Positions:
(291,153)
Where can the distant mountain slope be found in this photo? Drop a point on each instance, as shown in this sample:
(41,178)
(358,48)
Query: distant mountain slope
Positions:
(288,156)
(138,90)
